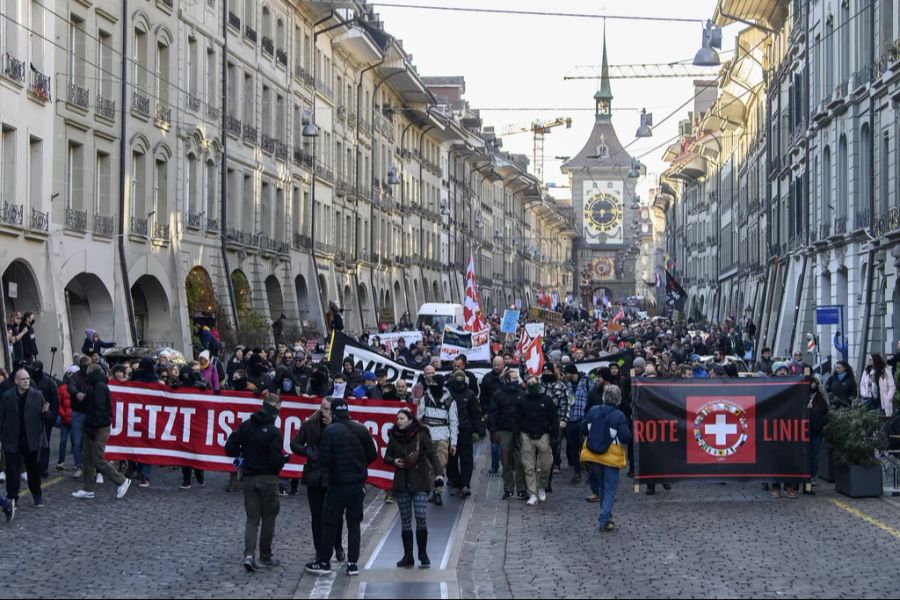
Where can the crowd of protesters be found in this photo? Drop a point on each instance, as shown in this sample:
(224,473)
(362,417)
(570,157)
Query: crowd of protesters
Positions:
(532,420)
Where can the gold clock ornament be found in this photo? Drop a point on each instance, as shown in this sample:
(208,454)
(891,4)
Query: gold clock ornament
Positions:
(605,268)
(603,212)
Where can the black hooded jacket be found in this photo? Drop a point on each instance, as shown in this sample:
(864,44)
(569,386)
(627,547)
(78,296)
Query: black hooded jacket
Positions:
(346,451)
(502,414)
(46,386)
(467,408)
(258,441)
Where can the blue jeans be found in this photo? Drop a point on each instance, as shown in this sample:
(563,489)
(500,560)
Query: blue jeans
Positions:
(608,479)
(595,479)
(815,444)
(495,456)
(77,429)
(65,434)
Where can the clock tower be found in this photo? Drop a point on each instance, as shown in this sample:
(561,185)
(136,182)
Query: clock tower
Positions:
(605,204)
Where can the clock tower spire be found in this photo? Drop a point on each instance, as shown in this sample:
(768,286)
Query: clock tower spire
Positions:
(603,97)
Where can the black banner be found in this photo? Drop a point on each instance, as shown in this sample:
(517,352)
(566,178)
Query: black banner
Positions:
(676,297)
(745,429)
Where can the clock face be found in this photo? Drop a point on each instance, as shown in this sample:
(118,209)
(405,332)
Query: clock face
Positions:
(603,212)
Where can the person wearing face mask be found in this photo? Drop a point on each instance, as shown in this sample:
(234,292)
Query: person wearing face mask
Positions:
(557,391)
(438,411)
(502,425)
(459,467)
(818,418)
(841,385)
(490,384)
(536,418)
(47,388)
(306,443)
(410,451)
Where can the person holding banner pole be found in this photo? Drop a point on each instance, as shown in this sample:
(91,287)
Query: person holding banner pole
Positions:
(306,443)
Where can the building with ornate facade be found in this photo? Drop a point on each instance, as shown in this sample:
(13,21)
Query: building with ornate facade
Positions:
(154,170)
(795,168)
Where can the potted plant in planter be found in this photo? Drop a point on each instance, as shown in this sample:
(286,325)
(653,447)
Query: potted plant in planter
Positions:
(854,435)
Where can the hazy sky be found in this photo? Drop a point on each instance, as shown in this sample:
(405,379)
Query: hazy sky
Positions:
(513,61)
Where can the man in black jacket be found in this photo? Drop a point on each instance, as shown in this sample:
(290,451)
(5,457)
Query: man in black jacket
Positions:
(23,414)
(459,364)
(257,444)
(490,384)
(535,420)
(346,451)
(46,386)
(98,419)
(459,467)
(502,425)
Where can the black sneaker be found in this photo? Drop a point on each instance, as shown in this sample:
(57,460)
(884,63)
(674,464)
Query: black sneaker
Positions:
(507,495)
(466,492)
(10,511)
(39,502)
(270,562)
(608,527)
(523,495)
(318,567)
(667,487)
(250,563)
(201,479)
(185,485)
(576,478)
(352,569)
(340,555)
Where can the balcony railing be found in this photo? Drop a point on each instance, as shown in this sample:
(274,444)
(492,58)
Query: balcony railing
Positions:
(40,85)
(163,114)
(268,144)
(267,244)
(195,220)
(824,231)
(302,242)
(140,226)
(140,103)
(106,108)
(324,172)
(12,214)
(233,126)
(234,20)
(104,225)
(79,96)
(306,78)
(250,133)
(250,33)
(14,68)
(193,102)
(302,157)
(886,223)
(213,112)
(861,220)
(161,232)
(76,220)
(840,225)
(324,88)
(268,46)
(40,221)
(281,151)
(212,225)
(281,57)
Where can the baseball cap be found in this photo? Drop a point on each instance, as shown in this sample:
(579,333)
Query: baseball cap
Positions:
(368,376)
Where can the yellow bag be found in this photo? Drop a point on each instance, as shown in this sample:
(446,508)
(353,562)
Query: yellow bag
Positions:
(613,457)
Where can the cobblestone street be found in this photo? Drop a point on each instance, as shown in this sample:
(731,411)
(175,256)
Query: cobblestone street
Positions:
(695,541)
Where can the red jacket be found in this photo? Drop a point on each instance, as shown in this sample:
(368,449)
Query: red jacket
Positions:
(65,405)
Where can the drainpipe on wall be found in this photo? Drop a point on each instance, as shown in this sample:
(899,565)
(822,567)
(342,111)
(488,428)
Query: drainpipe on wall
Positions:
(223,176)
(873,244)
(129,305)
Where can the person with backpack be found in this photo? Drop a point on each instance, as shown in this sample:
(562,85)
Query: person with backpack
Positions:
(604,426)
(438,411)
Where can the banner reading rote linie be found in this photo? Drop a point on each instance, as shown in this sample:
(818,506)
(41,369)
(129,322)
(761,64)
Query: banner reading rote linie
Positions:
(721,429)
(160,426)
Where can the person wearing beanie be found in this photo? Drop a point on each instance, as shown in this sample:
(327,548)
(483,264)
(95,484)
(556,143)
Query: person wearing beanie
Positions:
(780,369)
(579,390)
(257,444)
(468,411)
(639,365)
(93,343)
(536,418)
(437,410)
(96,431)
(346,451)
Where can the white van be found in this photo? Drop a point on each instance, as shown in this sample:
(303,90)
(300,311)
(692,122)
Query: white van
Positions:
(437,315)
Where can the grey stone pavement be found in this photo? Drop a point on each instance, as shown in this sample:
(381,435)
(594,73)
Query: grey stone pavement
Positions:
(704,540)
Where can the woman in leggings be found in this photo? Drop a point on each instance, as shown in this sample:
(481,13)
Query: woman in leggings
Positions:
(410,451)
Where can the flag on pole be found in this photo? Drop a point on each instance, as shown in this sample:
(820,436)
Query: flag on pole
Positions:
(619,315)
(676,297)
(533,356)
(474,320)
(524,340)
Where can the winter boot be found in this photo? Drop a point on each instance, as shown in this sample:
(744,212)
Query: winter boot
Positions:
(422,541)
(407,560)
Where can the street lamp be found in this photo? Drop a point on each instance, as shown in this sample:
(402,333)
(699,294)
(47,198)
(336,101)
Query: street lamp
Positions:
(635,168)
(392,178)
(309,127)
(712,39)
(646,122)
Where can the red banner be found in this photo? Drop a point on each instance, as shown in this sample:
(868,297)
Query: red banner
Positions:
(156,425)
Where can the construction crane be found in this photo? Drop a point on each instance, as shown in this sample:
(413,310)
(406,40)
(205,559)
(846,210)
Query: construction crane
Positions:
(540,129)
(642,71)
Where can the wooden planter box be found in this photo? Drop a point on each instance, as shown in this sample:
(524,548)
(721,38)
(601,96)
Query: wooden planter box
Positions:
(857,481)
